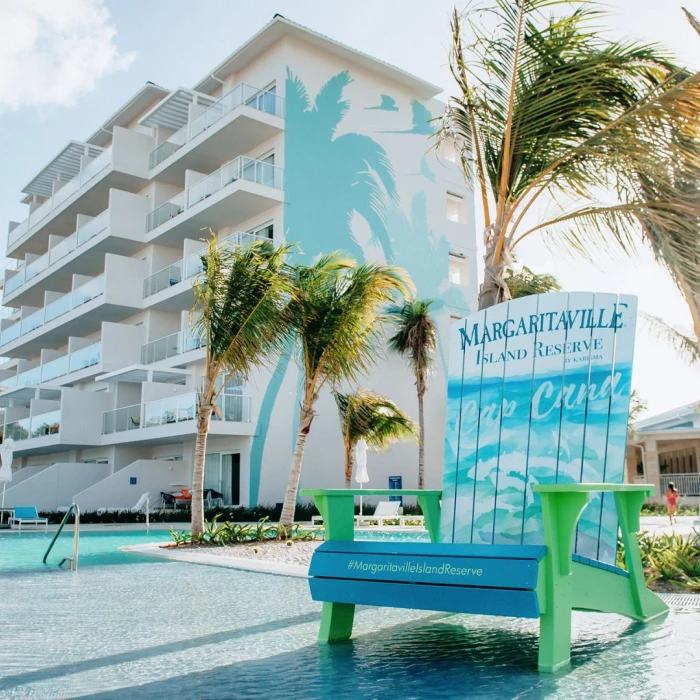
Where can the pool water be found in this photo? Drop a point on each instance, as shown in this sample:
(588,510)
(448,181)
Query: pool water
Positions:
(150,629)
(25,550)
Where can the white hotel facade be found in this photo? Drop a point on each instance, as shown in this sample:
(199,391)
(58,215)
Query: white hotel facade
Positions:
(293,137)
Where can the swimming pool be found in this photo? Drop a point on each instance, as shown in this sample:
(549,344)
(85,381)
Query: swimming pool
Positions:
(153,629)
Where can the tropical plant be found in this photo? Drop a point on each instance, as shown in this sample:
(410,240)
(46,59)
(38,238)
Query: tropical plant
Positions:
(683,342)
(525,283)
(239,314)
(416,340)
(606,133)
(373,418)
(338,315)
(637,406)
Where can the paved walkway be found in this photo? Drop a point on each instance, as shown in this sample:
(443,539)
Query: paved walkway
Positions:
(658,524)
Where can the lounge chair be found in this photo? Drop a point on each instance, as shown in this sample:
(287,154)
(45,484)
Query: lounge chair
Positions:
(384,510)
(538,403)
(27,515)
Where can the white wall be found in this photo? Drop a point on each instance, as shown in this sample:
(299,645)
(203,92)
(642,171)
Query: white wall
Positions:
(53,488)
(152,476)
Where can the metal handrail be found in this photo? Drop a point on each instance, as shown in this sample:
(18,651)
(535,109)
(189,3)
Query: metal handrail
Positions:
(76,535)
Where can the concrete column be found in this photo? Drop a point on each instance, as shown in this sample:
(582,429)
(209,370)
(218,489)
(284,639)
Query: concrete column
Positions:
(651,468)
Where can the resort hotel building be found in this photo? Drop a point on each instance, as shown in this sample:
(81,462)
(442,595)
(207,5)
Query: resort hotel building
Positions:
(294,137)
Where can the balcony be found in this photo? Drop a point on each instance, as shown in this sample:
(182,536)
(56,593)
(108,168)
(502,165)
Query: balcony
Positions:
(173,410)
(34,426)
(169,346)
(191,266)
(123,166)
(241,120)
(239,190)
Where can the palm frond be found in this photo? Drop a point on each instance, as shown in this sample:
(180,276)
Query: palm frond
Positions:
(526,283)
(682,342)
(240,308)
(376,419)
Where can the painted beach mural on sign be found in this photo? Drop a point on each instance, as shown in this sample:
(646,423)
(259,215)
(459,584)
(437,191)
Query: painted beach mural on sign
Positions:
(538,392)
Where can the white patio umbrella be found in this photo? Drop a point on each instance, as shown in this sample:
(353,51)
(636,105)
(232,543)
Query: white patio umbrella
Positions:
(361,475)
(6,450)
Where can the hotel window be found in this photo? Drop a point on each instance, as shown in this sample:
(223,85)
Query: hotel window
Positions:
(458,269)
(264,231)
(265,99)
(455,208)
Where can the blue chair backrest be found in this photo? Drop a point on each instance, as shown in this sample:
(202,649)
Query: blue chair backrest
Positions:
(538,392)
(26,512)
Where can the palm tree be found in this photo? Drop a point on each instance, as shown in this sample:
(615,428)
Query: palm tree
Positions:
(416,340)
(373,418)
(685,345)
(526,283)
(337,313)
(608,132)
(239,307)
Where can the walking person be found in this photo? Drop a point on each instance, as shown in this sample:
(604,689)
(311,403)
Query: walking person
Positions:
(672,498)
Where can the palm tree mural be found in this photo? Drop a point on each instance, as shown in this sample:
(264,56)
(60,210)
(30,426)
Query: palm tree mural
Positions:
(349,174)
(331,179)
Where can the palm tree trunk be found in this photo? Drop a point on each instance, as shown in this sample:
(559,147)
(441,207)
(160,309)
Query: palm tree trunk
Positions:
(200,450)
(421,442)
(349,466)
(494,289)
(290,497)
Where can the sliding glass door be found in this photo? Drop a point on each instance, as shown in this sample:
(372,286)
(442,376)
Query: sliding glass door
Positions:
(222,473)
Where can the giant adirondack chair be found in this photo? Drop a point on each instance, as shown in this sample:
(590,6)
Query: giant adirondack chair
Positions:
(526,524)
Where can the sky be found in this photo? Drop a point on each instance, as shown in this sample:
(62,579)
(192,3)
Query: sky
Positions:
(69,64)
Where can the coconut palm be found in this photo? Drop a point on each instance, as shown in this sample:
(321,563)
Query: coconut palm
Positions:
(338,315)
(239,312)
(606,133)
(526,283)
(373,418)
(416,340)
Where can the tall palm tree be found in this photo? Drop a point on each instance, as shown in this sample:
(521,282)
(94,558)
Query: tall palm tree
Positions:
(684,343)
(338,315)
(373,418)
(416,340)
(608,133)
(240,315)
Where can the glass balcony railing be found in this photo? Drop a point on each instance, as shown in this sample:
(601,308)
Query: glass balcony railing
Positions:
(85,233)
(95,167)
(173,409)
(169,346)
(263,100)
(35,426)
(191,265)
(60,367)
(240,168)
(86,292)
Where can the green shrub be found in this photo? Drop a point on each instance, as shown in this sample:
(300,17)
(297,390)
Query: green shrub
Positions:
(656,509)
(218,534)
(671,558)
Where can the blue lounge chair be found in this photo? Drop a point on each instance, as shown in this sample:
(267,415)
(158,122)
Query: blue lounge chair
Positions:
(27,515)
(526,524)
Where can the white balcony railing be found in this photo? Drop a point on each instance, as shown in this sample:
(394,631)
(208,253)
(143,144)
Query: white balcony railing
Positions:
(78,238)
(173,409)
(86,292)
(95,167)
(59,367)
(35,426)
(687,484)
(263,100)
(191,265)
(240,168)
(169,346)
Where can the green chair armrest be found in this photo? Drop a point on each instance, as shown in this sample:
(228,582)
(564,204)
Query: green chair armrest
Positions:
(337,508)
(593,488)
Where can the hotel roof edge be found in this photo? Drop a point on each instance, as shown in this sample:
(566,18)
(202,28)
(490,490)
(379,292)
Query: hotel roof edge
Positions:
(280,26)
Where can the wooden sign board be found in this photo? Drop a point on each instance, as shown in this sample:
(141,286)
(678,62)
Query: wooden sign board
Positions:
(538,392)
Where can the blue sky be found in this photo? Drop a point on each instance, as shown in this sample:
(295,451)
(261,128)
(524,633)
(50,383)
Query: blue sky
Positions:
(175,42)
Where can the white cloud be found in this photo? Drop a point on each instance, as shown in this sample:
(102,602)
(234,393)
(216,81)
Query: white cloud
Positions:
(53,51)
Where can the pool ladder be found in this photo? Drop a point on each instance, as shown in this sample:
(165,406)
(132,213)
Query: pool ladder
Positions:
(72,561)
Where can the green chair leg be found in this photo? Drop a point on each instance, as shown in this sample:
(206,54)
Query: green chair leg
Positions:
(336,622)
